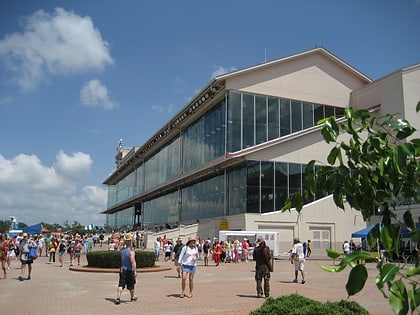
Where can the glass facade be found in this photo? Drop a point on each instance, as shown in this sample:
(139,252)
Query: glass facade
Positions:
(253,187)
(238,121)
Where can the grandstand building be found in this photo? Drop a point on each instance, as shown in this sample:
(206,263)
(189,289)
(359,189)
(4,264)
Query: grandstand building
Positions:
(231,156)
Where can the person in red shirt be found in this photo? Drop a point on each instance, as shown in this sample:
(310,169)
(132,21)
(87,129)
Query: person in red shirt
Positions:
(4,248)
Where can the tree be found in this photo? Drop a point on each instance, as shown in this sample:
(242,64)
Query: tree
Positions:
(374,171)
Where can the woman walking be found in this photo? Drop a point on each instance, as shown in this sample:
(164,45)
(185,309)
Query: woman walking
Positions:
(187,262)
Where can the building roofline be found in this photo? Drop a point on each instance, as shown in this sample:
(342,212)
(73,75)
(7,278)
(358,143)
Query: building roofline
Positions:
(318,49)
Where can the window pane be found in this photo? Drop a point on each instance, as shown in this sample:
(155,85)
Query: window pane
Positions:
(234,122)
(237,191)
(267,187)
(248,117)
(318,113)
(308,117)
(261,119)
(273,118)
(284,117)
(329,111)
(253,184)
(296,116)
(282,174)
(295,179)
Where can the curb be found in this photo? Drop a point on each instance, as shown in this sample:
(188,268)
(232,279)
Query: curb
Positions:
(86,268)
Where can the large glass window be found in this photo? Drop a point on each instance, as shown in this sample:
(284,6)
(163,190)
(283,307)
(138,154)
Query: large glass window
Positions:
(204,141)
(161,210)
(203,200)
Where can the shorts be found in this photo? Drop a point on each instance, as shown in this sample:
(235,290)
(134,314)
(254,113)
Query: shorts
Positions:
(299,264)
(167,254)
(189,269)
(61,253)
(127,279)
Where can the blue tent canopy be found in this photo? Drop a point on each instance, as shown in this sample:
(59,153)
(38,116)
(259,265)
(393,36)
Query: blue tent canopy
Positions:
(364,232)
(33,229)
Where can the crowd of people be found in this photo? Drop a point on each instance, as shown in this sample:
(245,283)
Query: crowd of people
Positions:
(27,248)
(184,257)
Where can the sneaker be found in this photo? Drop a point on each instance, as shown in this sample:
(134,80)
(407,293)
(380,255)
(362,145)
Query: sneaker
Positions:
(117,301)
(20,278)
(29,278)
(303,281)
(295,281)
(259,295)
(133,299)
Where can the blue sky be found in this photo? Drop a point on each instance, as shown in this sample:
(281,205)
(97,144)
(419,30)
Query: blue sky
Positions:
(76,76)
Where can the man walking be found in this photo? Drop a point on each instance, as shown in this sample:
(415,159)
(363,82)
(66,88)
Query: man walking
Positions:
(263,267)
(128,271)
(298,260)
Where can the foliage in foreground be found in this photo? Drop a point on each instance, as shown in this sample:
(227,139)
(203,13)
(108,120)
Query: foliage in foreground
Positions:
(112,259)
(375,172)
(295,304)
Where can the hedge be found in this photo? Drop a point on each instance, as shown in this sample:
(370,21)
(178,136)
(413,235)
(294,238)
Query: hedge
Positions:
(295,304)
(112,259)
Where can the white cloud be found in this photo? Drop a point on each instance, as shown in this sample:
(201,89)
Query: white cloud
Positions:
(53,44)
(221,70)
(74,167)
(168,109)
(94,93)
(34,192)
(6,100)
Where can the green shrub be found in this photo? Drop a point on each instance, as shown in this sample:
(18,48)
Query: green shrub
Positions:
(112,259)
(295,304)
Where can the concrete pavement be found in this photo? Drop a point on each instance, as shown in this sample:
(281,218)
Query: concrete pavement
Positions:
(226,289)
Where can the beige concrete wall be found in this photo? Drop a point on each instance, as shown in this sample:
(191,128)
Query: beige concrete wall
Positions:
(313,78)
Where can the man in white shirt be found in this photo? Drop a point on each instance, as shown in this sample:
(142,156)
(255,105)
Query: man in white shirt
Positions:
(298,259)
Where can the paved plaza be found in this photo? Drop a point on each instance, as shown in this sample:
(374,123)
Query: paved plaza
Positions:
(226,289)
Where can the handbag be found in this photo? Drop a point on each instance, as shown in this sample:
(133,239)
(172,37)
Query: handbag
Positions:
(33,253)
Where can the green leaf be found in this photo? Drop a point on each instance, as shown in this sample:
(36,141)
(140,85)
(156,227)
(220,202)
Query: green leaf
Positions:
(414,296)
(388,272)
(337,268)
(357,279)
(412,271)
(332,157)
(418,107)
(332,253)
(398,298)
(356,256)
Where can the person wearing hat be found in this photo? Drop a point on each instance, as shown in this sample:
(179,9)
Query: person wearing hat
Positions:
(263,267)
(187,262)
(128,271)
(298,259)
